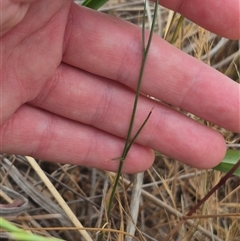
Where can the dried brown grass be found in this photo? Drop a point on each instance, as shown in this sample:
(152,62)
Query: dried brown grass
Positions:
(169,188)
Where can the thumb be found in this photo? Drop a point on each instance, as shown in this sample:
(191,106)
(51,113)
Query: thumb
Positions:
(12,12)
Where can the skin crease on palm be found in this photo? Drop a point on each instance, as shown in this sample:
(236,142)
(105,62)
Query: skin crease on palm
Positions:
(68,75)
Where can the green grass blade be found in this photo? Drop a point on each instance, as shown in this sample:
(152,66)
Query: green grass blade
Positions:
(230,159)
(22,235)
(4,224)
(145,51)
(138,132)
(177,30)
(122,161)
(129,142)
(94,4)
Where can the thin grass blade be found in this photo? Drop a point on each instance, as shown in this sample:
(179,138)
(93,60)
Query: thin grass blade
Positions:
(177,30)
(128,141)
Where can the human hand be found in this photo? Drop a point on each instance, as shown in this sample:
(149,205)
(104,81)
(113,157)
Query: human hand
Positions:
(12,12)
(68,75)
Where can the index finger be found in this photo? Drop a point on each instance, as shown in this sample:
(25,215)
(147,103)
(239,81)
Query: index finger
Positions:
(114,51)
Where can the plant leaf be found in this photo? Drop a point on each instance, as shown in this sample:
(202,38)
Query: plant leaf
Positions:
(94,4)
(230,159)
(22,235)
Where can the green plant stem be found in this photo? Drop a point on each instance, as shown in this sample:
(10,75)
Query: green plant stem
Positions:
(129,143)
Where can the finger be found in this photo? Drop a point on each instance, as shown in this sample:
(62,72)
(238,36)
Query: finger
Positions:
(222,19)
(43,135)
(170,75)
(107,105)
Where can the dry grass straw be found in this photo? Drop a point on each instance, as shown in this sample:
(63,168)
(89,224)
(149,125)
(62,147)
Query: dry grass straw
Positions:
(149,205)
(58,197)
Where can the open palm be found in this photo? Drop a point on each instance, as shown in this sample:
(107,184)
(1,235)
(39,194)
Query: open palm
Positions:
(68,76)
